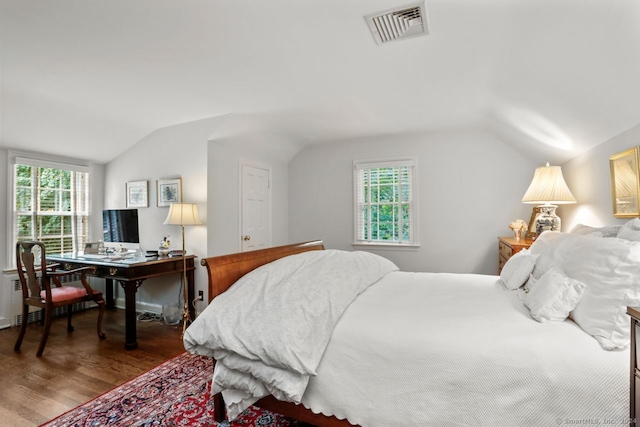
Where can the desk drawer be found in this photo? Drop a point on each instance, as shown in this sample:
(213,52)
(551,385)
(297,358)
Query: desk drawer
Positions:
(105,271)
(101,270)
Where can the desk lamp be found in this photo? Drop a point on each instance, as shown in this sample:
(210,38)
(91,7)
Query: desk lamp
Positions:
(548,187)
(183,214)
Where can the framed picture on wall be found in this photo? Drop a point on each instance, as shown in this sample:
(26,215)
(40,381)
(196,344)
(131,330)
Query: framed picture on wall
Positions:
(625,183)
(168,191)
(137,194)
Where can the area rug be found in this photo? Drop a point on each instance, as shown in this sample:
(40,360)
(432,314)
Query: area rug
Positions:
(175,393)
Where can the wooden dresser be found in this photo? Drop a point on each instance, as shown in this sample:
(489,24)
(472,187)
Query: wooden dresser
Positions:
(634,377)
(508,247)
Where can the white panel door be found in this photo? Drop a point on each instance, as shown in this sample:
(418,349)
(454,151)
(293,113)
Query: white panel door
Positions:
(255,207)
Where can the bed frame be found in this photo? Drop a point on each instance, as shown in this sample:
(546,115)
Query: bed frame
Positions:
(223,272)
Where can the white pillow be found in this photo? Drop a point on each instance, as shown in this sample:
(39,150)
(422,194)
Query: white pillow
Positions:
(553,247)
(553,296)
(628,233)
(522,292)
(529,284)
(630,230)
(517,269)
(610,269)
(606,231)
(633,224)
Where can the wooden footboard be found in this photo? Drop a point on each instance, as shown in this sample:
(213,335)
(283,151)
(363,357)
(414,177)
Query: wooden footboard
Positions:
(223,272)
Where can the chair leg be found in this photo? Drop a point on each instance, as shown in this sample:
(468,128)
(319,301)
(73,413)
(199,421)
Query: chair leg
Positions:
(23,327)
(69,312)
(101,306)
(45,332)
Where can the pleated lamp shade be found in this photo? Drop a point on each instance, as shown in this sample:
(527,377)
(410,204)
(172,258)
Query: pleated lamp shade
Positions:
(183,214)
(548,186)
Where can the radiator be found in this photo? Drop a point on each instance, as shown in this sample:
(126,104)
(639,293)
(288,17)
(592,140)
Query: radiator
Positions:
(12,282)
(6,300)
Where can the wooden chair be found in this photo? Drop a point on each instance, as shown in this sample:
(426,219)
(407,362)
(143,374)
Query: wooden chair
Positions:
(37,278)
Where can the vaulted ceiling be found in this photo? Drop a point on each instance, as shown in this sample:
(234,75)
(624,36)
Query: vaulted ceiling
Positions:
(90,78)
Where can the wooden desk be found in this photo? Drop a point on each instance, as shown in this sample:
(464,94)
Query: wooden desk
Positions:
(130,275)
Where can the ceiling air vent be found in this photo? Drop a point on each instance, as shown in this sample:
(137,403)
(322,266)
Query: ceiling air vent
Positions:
(398,23)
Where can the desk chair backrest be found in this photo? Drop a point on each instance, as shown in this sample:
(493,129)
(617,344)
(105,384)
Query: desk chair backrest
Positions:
(31,263)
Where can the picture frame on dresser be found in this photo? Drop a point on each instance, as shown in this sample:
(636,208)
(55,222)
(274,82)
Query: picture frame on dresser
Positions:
(531,231)
(625,183)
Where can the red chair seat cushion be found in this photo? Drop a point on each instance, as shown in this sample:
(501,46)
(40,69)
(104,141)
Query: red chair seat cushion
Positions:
(64,293)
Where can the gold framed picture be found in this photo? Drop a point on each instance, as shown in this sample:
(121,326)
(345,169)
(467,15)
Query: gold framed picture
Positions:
(531,231)
(625,183)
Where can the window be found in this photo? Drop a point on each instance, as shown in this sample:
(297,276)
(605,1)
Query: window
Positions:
(51,204)
(385,205)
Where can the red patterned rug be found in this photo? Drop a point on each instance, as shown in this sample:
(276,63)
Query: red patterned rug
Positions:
(175,393)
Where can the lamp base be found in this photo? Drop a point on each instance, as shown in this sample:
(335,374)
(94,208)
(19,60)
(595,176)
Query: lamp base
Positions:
(547,219)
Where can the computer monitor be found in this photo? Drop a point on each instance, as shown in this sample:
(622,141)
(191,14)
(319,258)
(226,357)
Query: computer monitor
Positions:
(120,229)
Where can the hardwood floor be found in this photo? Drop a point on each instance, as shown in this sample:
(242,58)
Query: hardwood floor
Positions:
(76,366)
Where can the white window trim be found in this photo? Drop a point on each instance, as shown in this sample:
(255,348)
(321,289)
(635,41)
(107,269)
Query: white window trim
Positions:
(387,162)
(32,159)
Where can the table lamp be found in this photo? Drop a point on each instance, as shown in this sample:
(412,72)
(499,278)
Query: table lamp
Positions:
(183,214)
(549,189)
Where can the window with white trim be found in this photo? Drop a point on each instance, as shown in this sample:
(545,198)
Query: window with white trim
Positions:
(50,204)
(385,202)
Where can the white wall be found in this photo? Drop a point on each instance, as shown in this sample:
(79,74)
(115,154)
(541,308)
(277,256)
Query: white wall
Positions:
(171,152)
(589,178)
(470,185)
(4,206)
(5,293)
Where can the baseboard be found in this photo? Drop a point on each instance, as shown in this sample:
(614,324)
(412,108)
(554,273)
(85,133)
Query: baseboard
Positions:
(141,306)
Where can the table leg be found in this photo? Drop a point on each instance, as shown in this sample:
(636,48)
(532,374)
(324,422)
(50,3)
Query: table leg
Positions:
(130,288)
(191,291)
(110,303)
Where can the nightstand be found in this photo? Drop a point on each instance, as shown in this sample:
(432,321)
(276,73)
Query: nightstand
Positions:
(634,399)
(508,247)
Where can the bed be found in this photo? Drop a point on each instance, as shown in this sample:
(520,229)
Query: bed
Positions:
(444,349)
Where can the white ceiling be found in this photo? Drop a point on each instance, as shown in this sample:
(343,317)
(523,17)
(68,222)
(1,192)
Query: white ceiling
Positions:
(90,78)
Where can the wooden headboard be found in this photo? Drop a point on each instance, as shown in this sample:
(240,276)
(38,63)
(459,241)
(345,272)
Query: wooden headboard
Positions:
(225,270)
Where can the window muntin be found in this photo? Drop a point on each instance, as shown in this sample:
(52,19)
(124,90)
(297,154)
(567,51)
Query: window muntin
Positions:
(385,203)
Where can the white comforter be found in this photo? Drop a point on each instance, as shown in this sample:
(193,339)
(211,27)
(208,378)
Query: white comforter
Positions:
(425,349)
(269,330)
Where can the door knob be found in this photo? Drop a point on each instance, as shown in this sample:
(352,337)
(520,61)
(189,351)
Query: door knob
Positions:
(246,238)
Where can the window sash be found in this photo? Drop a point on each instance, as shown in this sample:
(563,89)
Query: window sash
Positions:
(385,205)
(51,205)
